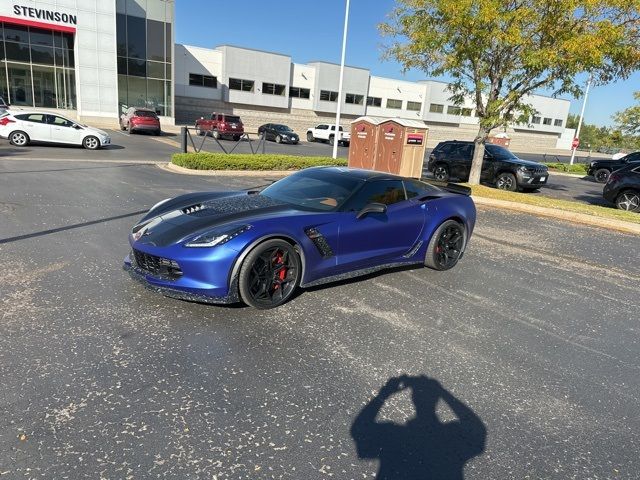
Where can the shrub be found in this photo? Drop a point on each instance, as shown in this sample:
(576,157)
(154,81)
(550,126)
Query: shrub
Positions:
(241,161)
(565,167)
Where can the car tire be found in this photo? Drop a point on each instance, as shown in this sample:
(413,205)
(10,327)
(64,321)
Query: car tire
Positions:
(629,201)
(199,131)
(157,133)
(91,143)
(278,139)
(445,246)
(269,274)
(331,140)
(310,137)
(19,138)
(216,134)
(506,181)
(601,175)
(122,127)
(441,173)
(236,138)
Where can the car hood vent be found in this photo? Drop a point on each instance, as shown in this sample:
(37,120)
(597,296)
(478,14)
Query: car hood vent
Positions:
(191,209)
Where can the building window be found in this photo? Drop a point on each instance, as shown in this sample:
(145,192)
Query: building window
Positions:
(297,92)
(393,103)
(240,84)
(557,123)
(414,106)
(198,80)
(273,89)
(354,99)
(453,110)
(466,112)
(546,121)
(436,108)
(374,101)
(328,96)
(535,119)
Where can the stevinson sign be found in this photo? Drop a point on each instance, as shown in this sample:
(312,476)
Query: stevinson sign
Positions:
(44,15)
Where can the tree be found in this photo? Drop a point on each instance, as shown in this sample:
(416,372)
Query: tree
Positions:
(498,52)
(629,119)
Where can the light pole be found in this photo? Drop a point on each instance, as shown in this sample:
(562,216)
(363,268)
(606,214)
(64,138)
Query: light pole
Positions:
(336,134)
(584,104)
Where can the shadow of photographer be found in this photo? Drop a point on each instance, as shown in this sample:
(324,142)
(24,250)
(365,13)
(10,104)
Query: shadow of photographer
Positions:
(425,447)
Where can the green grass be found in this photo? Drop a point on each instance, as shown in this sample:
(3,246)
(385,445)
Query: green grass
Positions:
(240,161)
(564,205)
(580,168)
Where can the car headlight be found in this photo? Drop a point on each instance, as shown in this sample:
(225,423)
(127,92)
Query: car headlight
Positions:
(217,236)
(524,170)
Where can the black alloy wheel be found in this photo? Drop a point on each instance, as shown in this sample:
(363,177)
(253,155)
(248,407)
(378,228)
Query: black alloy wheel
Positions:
(269,274)
(629,201)
(507,181)
(441,173)
(601,175)
(445,246)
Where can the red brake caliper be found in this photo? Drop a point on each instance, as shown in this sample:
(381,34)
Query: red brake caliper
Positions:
(283,271)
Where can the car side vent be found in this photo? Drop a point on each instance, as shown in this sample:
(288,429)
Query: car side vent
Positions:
(192,209)
(319,241)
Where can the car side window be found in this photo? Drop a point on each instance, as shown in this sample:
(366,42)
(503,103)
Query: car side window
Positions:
(386,192)
(32,117)
(633,157)
(415,188)
(464,152)
(59,121)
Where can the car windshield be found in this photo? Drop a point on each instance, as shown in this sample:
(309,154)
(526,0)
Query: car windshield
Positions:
(144,113)
(282,128)
(231,119)
(313,189)
(499,152)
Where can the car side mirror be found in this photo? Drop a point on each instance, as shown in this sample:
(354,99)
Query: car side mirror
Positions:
(372,208)
(77,127)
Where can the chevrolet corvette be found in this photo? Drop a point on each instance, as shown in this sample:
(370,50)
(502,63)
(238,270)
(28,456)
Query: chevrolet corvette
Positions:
(315,226)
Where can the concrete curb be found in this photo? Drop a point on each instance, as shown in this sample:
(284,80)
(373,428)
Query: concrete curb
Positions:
(225,173)
(574,217)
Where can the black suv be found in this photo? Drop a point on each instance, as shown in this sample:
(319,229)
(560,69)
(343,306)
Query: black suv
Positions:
(623,188)
(601,169)
(500,166)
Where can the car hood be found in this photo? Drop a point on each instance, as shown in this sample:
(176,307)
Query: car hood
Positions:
(96,130)
(526,163)
(198,214)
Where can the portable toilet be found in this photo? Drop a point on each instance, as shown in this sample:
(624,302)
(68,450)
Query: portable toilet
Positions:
(363,144)
(401,145)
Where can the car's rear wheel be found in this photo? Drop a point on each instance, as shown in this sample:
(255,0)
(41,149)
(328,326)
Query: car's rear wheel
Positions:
(269,274)
(122,127)
(310,137)
(629,201)
(216,134)
(278,139)
(507,181)
(331,140)
(601,175)
(445,247)
(91,143)
(19,138)
(441,173)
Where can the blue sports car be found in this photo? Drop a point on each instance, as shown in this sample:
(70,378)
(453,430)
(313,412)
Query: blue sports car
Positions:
(315,226)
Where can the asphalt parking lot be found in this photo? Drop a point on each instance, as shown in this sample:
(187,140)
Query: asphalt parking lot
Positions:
(532,339)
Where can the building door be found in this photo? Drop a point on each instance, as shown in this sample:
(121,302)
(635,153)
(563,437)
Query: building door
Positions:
(390,142)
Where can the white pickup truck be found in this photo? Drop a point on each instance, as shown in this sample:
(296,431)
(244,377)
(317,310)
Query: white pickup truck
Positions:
(326,133)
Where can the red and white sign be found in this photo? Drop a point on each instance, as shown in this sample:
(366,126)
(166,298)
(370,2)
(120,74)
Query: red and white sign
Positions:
(415,139)
(575,143)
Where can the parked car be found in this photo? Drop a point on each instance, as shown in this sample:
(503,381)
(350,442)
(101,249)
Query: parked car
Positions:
(24,127)
(601,169)
(326,133)
(278,133)
(623,187)
(315,226)
(452,159)
(140,120)
(220,125)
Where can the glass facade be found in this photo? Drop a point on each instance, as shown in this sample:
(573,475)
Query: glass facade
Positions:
(37,67)
(144,49)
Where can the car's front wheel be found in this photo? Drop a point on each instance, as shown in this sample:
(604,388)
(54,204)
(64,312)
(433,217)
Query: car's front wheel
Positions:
(310,137)
(445,247)
(601,175)
(18,138)
(91,143)
(629,201)
(507,181)
(278,139)
(441,173)
(269,274)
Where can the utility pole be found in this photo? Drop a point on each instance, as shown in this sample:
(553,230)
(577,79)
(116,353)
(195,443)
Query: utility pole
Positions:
(584,104)
(336,134)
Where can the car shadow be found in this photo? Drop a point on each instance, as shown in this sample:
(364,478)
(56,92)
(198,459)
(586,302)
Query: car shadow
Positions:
(74,147)
(593,198)
(425,447)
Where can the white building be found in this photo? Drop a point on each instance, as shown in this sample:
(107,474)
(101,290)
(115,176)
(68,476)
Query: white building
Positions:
(92,58)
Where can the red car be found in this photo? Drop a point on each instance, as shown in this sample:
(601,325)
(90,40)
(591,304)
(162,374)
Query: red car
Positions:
(220,125)
(140,120)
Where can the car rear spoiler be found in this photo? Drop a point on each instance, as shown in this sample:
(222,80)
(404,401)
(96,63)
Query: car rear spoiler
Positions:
(449,187)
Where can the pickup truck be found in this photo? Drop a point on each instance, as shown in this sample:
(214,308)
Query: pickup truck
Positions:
(220,125)
(326,133)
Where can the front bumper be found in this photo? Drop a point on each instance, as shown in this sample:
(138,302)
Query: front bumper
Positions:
(610,192)
(532,180)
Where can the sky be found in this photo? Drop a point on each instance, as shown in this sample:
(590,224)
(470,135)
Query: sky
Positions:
(312,30)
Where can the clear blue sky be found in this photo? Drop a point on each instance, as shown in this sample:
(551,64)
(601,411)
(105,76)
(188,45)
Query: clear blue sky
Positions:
(312,30)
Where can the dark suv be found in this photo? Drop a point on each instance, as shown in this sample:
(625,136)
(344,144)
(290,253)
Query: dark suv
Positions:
(623,187)
(601,169)
(500,167)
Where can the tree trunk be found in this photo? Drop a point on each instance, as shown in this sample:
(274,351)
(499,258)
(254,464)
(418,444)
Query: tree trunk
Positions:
(478,155)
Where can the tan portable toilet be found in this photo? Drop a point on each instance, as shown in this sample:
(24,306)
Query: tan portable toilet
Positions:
(401,147)
(363,144)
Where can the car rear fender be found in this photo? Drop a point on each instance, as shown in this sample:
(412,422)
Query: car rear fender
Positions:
(460,208)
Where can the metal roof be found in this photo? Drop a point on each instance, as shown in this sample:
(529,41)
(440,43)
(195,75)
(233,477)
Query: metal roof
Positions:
(405,122)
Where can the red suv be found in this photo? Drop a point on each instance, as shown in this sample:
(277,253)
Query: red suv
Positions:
(140,119)
(220,125)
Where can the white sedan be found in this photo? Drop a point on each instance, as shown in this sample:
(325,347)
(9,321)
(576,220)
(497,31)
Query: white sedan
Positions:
(22,127)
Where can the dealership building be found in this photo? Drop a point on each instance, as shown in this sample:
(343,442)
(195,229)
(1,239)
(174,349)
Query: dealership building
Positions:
(89,59)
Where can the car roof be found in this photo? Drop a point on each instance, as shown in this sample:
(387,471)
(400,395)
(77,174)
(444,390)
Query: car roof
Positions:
(361,174)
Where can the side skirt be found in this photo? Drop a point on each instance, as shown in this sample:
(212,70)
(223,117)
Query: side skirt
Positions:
(357,273)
